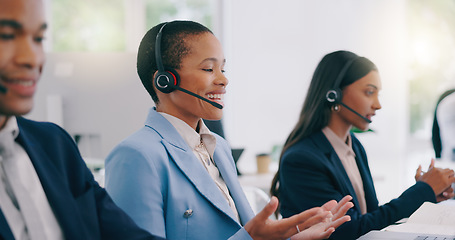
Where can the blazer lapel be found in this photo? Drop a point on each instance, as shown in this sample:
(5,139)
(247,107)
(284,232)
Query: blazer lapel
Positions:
(368,185)
(198,176)
(229,174)
(337,167)
(56,191)
(188,163)
(5,230)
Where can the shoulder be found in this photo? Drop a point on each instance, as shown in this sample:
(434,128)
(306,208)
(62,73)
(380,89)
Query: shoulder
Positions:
(45,133)
(143,144)
(38,127)
(313,146)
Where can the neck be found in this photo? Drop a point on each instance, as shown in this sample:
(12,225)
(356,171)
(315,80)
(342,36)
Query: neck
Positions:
(193,123)
(340,128)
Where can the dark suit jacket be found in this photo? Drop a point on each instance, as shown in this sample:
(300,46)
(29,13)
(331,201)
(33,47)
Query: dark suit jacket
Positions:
(83,209)
(312,174)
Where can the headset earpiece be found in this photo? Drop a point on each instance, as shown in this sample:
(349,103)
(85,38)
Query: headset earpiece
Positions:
(334,96)
(167,80)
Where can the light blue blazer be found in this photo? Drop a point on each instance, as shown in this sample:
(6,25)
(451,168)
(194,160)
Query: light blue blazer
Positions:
(155,177)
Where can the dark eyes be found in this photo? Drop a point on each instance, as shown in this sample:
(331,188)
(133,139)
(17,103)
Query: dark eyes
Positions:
(370,92)
(211,70)
(39,39)
(7,37)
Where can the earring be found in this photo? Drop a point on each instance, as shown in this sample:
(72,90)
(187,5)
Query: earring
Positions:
(336,108)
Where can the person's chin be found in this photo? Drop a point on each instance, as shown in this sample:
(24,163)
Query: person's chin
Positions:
(214,116)
(22,108)
(363,126)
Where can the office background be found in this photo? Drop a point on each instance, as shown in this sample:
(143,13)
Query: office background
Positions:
(90,85)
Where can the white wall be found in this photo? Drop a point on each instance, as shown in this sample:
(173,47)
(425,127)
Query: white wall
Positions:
(101,94)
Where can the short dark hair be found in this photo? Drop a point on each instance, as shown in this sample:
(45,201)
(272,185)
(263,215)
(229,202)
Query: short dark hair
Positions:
(173,49)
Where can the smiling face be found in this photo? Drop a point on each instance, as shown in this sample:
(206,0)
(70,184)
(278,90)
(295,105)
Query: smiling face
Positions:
(22,29)
(363,97)
(201,72)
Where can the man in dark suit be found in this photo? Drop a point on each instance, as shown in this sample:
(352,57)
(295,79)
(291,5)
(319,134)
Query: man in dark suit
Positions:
(46,190)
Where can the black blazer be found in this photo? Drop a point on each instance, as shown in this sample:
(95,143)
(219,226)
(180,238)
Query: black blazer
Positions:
(83,209)
(312,174)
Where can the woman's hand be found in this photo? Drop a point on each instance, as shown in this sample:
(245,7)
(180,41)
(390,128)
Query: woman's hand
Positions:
(440,180)
(315,223)
(324,229)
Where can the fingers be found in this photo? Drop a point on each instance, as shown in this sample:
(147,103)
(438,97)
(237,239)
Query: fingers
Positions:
(257,227)
(308,218)
(268,210)
(439,179)
(431,164)
(322,216)
(341,208)
(330,205)
(339,221)
(418,173)
(447,194)
(328,232)
(325,234)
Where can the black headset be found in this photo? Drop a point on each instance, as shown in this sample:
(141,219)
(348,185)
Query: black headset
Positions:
(166,79)
(334,95)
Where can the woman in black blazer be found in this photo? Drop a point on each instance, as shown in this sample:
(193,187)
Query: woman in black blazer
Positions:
(322,159)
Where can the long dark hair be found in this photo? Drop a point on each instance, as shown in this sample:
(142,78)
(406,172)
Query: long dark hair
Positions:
(315,114)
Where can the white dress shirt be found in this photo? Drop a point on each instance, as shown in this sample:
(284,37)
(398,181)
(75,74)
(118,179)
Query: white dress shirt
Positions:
(30,180)
(203,145)
(347,156)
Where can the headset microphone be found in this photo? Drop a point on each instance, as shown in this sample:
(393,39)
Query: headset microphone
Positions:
(167,79)
(334,96)
(215,104)
(358,114)
(3,89)
(164,84)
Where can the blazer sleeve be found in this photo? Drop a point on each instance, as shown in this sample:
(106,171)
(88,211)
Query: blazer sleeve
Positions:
(307,179)
(134,183)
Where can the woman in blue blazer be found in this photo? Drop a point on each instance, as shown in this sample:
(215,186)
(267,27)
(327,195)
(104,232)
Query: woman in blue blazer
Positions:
(323,160)
(175,168)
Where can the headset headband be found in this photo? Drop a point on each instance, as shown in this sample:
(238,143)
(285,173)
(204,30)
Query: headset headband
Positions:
(343,72)
(159,62)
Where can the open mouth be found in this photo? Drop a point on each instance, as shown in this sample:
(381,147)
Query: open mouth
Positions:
(215,97)
(21,82)
(23,86)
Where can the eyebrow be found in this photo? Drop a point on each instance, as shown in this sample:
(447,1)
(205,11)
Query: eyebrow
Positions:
(213,60)
(372,85)
(10,23)
(16,25)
